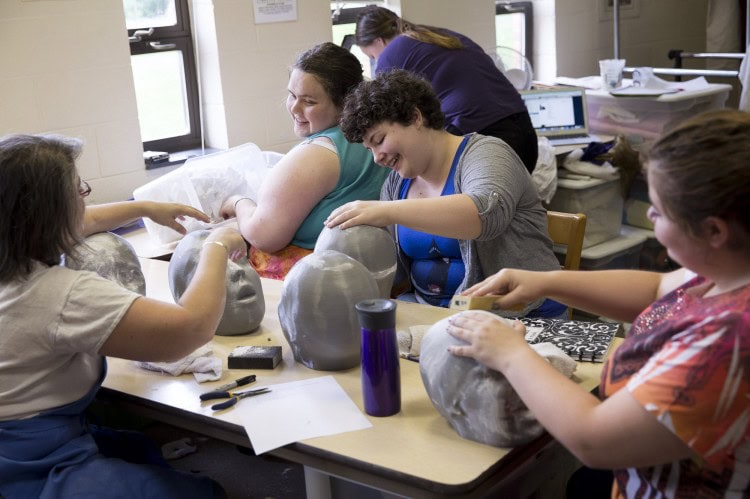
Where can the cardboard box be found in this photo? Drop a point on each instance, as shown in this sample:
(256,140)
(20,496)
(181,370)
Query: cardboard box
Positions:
(649,117)
(600,200)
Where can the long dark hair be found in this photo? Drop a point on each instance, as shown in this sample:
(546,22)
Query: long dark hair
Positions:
(337,69)
(378,22)
(40,212)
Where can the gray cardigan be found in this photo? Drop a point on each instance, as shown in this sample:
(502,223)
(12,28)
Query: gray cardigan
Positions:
(514,222)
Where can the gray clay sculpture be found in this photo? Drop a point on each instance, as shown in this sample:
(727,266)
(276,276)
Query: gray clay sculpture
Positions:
(478,402)
(110,256)
(371,246)
(245,304)
(317,312)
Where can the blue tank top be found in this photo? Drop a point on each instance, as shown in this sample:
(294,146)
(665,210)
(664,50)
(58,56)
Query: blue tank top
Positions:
(437,269)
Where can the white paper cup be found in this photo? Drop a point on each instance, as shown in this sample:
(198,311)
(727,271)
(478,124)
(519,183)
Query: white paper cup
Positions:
(611,73)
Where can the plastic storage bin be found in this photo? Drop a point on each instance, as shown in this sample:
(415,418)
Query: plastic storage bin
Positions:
(622,252)
(649,117)
(600,200)
(204,182)
(637,204)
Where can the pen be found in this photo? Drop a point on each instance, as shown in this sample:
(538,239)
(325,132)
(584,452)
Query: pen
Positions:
(234,384)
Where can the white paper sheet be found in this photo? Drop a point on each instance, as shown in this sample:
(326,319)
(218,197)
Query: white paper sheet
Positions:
(299,410)
(657,86)
(634,91)
(590,82)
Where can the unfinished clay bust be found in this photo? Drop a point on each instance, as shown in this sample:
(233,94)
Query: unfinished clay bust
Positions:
(317,312)
(371,246)
(110,256)
(477,401)
(245,305)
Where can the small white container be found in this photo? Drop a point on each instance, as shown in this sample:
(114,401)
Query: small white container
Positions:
(611,73)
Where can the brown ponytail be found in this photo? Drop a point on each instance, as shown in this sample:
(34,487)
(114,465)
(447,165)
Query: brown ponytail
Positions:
(377,22)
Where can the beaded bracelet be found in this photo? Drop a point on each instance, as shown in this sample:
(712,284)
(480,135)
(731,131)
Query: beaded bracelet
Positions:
(240,199)
(218,243)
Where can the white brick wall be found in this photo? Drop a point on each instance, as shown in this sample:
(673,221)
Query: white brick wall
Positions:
(65,66)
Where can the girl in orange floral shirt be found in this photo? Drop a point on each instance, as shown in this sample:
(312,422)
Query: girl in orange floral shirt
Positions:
(675,417)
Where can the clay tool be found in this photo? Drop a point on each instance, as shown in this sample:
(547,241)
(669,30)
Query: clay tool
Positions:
(486,302)
(234,384)
(233,397)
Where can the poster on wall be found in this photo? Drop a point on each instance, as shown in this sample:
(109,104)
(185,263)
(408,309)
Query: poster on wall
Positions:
(626,8)
(274,11)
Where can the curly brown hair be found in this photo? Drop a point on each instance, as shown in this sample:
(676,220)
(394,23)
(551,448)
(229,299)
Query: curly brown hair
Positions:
(40,211)
(701,169)
(394,96)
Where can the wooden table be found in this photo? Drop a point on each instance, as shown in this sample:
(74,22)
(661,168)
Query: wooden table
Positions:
(414,453)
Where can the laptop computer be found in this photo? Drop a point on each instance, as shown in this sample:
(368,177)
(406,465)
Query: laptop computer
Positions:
(560,114)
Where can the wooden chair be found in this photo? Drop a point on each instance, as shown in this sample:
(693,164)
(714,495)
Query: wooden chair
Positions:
(568,229)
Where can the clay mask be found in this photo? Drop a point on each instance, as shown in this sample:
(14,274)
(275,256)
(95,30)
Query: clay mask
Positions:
(110,256)
(317,312)
(245,305)
(478,402)
(371,246)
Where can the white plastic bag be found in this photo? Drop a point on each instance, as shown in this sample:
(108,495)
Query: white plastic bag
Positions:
(544,175)
(204,182)
(605,171)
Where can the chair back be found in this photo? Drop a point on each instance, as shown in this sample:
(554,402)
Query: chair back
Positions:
(568,229)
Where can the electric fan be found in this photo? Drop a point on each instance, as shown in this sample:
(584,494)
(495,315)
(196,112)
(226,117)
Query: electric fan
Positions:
(516,68)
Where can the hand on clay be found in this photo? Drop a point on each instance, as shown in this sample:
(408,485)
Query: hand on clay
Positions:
(375,213)
(491,340)
(232,239)
(517,286)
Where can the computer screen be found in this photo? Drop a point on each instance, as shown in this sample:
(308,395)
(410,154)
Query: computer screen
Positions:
(557,111)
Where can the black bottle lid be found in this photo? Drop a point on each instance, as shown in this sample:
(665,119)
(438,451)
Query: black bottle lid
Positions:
(376,314)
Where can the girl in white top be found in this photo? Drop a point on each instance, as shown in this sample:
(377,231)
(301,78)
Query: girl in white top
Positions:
(57,325)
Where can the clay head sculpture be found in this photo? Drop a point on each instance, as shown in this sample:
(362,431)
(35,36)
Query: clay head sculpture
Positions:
(110,256)
(317,312)
(245,305)
(371,246)
(478,402)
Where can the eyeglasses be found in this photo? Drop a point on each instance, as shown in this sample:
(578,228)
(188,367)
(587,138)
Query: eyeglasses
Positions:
(84,189)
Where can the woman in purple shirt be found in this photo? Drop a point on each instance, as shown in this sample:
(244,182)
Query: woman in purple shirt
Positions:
(474,95)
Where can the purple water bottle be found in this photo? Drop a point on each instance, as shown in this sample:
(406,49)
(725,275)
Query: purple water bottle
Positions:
(381,373)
